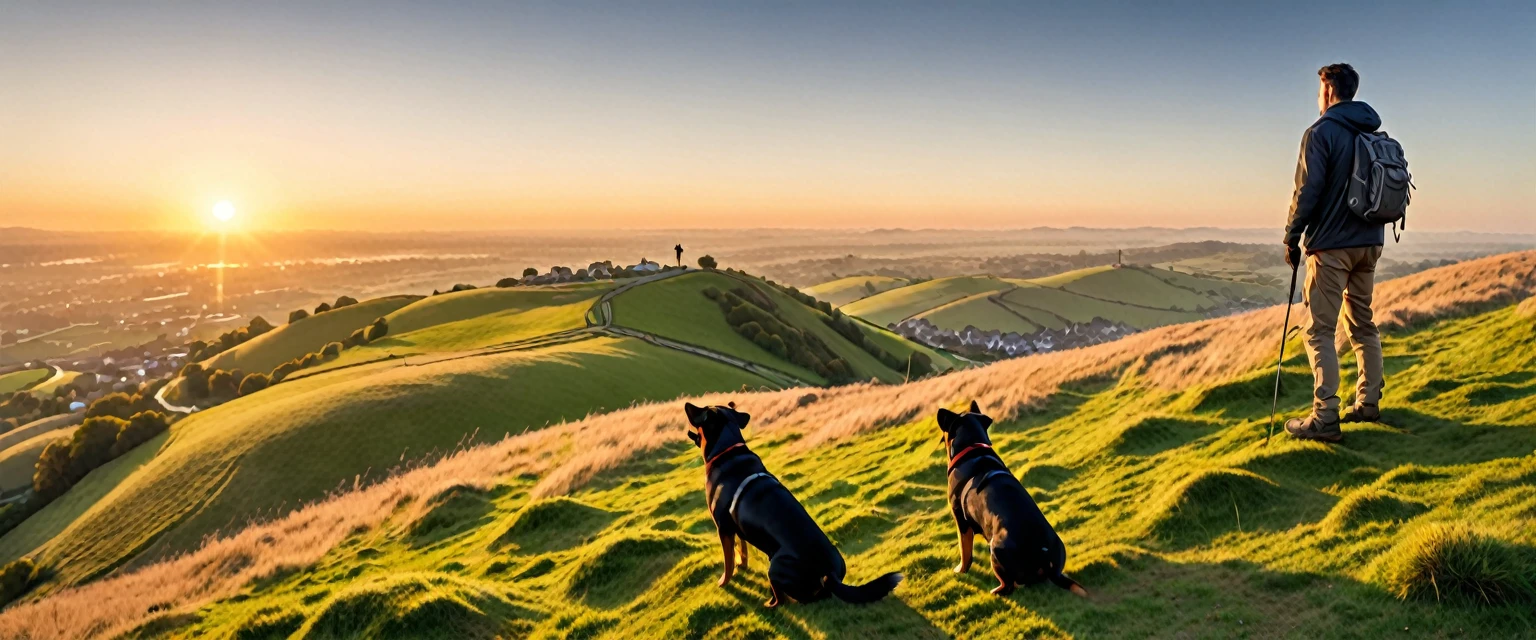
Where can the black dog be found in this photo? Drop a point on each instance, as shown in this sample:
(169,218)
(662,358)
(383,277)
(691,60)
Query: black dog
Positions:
(748,503)
(985,498)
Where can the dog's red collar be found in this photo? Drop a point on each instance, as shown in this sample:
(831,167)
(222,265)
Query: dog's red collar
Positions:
(713,458)
(956,458)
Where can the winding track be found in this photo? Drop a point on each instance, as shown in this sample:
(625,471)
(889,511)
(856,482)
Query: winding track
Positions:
(599,320)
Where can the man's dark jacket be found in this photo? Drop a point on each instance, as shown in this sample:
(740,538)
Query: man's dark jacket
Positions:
(1318,213)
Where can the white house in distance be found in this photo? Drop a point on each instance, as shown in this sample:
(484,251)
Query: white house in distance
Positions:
(646,266)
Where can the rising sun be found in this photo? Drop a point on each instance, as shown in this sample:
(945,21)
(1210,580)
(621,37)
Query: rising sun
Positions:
(224,211)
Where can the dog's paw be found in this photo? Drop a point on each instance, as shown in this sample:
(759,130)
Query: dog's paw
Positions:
(724,580)
(1002,590)
(772,603)
(962,568)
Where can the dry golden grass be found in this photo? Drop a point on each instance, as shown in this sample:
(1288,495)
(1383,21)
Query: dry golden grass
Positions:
(1170,357)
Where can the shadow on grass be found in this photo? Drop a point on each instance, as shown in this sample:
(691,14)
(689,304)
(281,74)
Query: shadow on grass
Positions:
(1136,594)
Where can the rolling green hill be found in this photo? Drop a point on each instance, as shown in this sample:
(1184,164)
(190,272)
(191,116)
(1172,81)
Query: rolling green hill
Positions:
(899,304)
(1142,298)
(852,288)
(24,379)
(676,308)
(19,460)
(1147,454)
(264,352)
(475,365)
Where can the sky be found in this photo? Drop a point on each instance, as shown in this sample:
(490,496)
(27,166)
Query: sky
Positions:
(338,115)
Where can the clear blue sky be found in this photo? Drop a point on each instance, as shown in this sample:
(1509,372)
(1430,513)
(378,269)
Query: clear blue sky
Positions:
(744,114)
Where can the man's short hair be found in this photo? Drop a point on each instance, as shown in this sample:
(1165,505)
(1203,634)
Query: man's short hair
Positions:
(1343,78)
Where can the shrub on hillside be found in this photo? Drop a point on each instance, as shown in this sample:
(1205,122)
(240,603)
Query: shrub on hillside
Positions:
(530,272)
(141,428)
(283,370)
(463,287)
(254,382)
(344,301)
(707,262)
(330,350)
(358,337)
(222,384)
(322,308)
(91,444)
(377,330)
(15,579)
(506,283)
(113,404)
(297,315)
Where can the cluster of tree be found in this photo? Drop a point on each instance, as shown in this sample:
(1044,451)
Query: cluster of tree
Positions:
(708,262)
(23,407)
(113,426)
(300,314)
(201,383)
(915,366)
(96,442)
(766,330)
(199,350)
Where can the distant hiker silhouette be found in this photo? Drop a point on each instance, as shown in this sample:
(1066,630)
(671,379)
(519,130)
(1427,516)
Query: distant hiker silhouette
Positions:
(679,250)
(1343,232)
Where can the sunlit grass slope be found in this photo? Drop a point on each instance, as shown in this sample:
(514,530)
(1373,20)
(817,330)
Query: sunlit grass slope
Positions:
(18,380)
(899,304)
(449,322)
(488,302)
(845,290)
(288,341)
(49,386)
(676,308)
(18,461)
(1145,452)
(296,441)
(1142,298)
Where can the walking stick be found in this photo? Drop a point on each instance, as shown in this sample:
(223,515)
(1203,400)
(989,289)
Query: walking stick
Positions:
(1285,332)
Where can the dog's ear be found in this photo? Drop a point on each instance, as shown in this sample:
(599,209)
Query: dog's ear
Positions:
(983,420)
(947,419)
(742,418)
(975,408)
(696,415)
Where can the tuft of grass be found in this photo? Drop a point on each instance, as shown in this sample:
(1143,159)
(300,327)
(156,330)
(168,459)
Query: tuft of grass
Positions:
(619,572)
(1453,562)
(556,523)
(1371,505)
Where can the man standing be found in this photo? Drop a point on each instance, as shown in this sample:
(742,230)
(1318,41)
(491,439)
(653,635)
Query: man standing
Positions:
(1341,254)
(679,250)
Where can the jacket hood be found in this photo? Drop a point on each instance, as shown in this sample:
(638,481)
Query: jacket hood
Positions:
(1357,114)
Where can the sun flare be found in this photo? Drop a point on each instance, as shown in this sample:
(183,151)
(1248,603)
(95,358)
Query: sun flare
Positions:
(224,211)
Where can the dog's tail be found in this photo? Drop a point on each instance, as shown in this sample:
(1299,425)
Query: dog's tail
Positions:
(867,592)
(1061,580)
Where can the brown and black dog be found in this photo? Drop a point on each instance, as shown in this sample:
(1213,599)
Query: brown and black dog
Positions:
(749,504)
(986,498)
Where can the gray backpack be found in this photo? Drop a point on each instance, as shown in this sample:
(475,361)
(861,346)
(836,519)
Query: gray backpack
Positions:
(1380,185)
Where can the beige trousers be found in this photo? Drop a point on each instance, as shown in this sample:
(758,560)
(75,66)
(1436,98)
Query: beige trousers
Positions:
(1342,279)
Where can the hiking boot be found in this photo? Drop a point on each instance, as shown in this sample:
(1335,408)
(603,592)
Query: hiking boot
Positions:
(1362,413)
(1314,428)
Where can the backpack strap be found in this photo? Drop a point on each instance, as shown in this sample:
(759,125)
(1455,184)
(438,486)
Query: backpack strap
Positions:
(740,488)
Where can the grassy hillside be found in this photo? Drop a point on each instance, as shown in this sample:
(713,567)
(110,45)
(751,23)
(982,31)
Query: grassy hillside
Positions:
(19,460)
(900,304)
(294,442)
(289,341)
(1146,453)
(676,308)
(482,303)
(845,290)
(1142,298)
(448,322)
(18,380)
(51,385)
